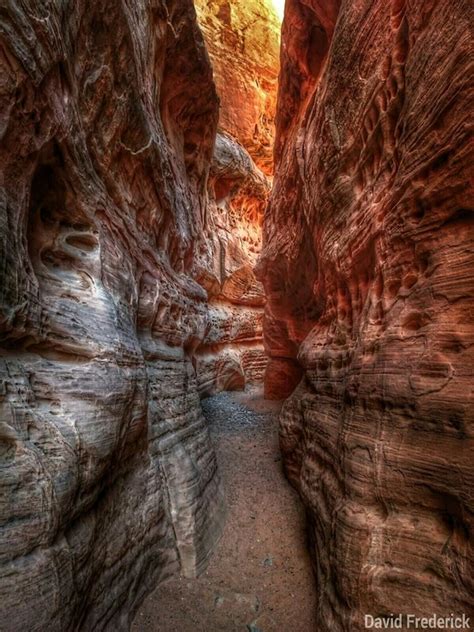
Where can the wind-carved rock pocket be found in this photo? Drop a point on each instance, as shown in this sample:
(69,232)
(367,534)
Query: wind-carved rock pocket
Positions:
(63,244)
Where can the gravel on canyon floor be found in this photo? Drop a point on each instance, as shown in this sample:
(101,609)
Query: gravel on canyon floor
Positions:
(260,577)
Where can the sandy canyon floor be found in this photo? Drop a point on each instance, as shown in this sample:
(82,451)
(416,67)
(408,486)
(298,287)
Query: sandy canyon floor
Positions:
(260,577)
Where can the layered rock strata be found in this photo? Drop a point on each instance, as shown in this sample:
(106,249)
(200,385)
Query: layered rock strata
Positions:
(108,478)
(367,263)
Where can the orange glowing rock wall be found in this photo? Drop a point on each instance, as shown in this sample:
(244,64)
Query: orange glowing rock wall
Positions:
(243,40)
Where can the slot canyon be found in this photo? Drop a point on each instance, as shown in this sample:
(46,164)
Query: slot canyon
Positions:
(236,315)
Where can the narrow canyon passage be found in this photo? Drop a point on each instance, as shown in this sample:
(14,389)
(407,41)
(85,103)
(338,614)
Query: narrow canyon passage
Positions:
(204,208)
(260,576)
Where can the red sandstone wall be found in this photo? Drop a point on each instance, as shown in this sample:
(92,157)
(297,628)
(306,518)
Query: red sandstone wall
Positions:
(243,40)
(367,264)
(231,354)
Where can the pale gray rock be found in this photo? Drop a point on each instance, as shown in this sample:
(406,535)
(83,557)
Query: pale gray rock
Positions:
(108,480)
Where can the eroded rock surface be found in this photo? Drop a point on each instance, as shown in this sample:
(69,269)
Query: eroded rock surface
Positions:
(231,354)
(108,478)
(243,39)
(367,263)
(243,42)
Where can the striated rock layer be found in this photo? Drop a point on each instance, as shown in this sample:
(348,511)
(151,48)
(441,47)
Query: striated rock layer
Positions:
(108,483)
(367,263)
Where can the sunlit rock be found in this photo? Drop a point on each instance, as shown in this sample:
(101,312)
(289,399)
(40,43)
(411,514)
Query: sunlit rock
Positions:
(243,40)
